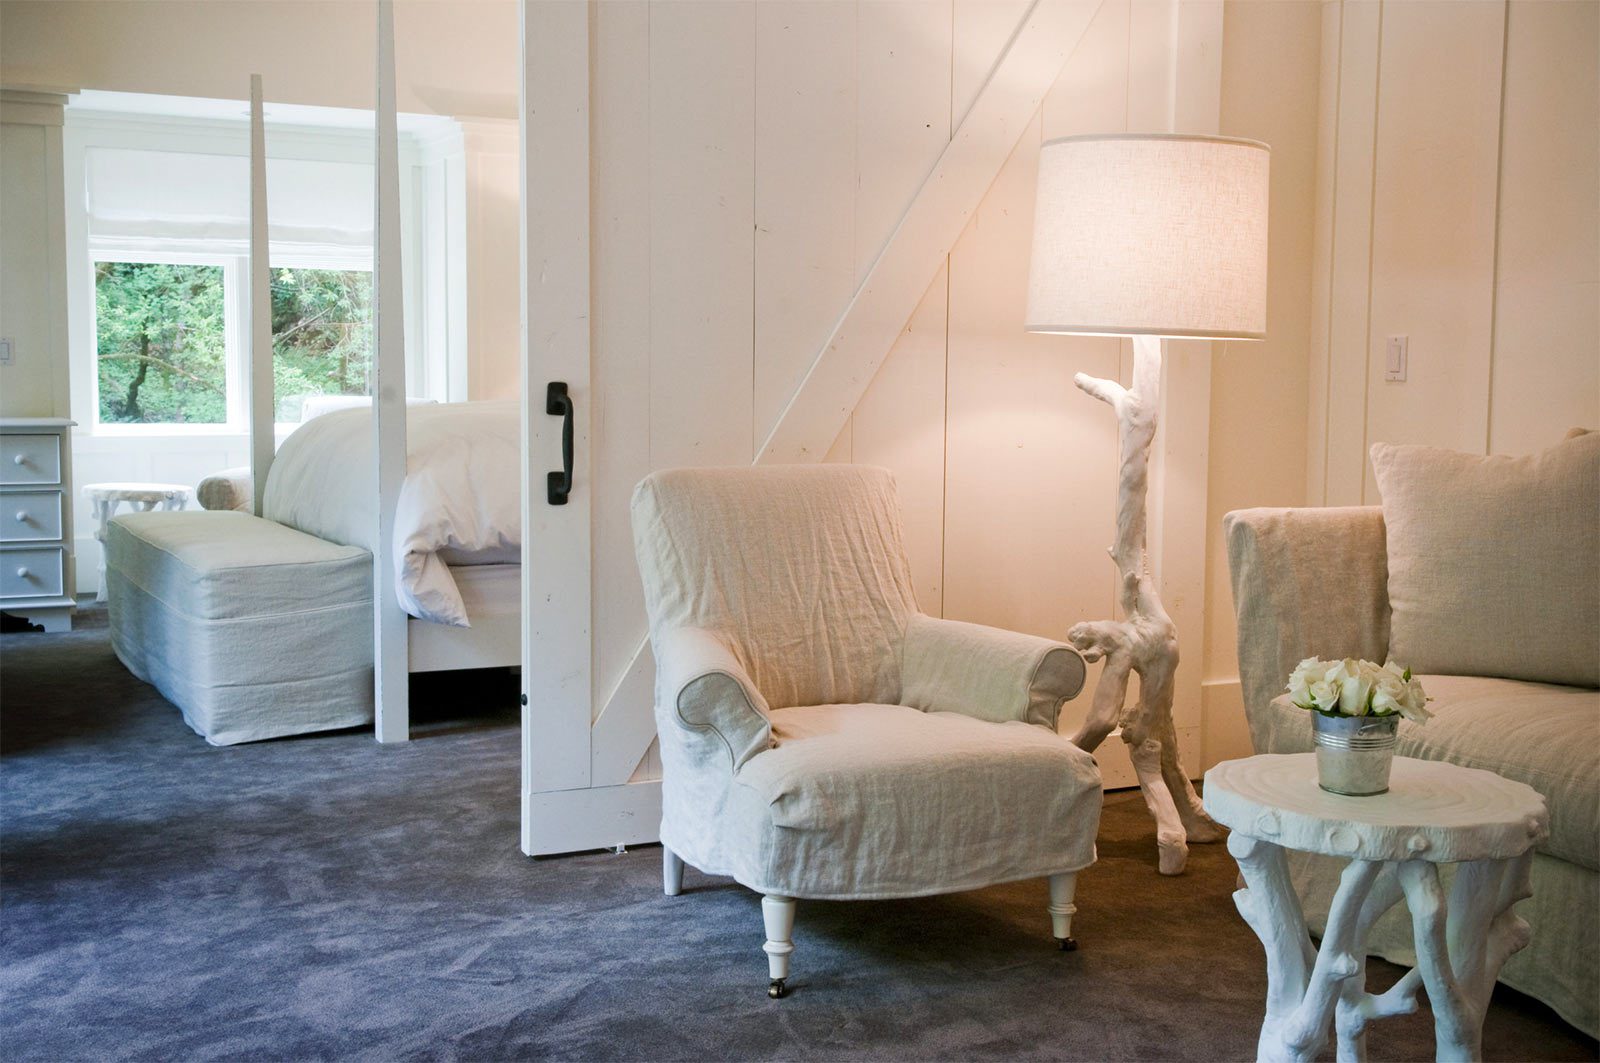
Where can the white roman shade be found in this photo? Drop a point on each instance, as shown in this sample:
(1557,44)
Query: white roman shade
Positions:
(189,196)
(1150,234)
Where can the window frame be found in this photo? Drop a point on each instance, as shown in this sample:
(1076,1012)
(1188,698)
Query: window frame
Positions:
(233,318)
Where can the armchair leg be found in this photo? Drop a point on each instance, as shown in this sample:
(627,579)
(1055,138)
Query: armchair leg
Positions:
(1062,889)
(671,872)
(778,915)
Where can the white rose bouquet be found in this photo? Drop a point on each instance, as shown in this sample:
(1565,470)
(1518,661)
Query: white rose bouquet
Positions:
(1357,688)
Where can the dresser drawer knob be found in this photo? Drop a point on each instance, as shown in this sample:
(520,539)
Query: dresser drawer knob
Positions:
(22,572)
(22,516)
(20,459)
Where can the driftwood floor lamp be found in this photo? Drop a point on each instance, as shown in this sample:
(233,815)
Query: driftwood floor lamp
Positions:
(1150,236)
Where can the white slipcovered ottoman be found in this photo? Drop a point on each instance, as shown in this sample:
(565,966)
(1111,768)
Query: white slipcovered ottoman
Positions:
(254,630)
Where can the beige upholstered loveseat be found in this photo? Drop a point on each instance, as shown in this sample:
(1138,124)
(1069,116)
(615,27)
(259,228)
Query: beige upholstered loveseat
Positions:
(1343,582)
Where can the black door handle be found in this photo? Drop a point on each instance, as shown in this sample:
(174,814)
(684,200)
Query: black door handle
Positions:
(557,403)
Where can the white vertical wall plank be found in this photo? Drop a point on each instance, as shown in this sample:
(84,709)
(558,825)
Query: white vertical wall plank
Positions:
(258,371)
(1184,442)
(1351,279)
(391,651)
(1152,72)
(1012,434)
(1322,258)
(981,29)
(805,178)
(903,118)
(620,362)
(1546,372)
(904,122)
(556,544)
(842,451)
(900,425)
(702,214)
(1433,222)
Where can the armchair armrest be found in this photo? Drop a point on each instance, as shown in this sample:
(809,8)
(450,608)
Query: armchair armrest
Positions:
(707,691)
(1306,582)
(987,673)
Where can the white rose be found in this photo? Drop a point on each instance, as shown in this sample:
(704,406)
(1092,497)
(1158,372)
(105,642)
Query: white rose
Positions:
(1300,680)
(1355,691)
(1414,703)
(1323,695)
(1303,671)
(1387,692)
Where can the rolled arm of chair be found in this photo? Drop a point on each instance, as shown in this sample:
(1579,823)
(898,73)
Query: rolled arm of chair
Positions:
(987,673)
(1306,582)
(709,694)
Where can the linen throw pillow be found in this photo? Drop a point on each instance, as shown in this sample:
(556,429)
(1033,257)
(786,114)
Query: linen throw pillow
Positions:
(1494,562)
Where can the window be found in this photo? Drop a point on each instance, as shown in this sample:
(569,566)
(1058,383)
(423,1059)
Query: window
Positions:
(158,251)
(161,343)
(321,335)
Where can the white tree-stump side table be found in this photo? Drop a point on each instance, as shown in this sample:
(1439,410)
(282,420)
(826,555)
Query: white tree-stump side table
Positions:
(145,497)
(1433,813)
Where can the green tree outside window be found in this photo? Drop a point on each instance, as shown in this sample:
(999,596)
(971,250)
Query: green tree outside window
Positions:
(162,340)
(321,335)
(162,345)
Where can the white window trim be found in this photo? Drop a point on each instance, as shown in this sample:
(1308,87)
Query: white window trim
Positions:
(233,287)
(431,197)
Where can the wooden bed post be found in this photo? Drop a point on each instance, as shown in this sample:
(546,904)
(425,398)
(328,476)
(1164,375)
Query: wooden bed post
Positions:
(390,649)
(259,398)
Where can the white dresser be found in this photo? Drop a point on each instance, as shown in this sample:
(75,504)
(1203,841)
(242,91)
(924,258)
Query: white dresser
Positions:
(36,572)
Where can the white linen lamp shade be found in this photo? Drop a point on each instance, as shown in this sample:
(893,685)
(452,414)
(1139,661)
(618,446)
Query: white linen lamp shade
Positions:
(1150,235)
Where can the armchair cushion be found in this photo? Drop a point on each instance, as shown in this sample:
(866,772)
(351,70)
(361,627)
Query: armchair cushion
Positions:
(710,694)
(862,801)
(987,673)
(800,568)
(1494,562)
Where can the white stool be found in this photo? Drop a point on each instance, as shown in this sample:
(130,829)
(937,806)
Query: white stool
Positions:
(141,497)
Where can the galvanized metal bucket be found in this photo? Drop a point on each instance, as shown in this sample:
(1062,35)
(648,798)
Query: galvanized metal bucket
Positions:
(1354,752)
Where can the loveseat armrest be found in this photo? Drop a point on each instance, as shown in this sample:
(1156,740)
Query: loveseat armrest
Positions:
(707,692)
(987,673)
(1306,583)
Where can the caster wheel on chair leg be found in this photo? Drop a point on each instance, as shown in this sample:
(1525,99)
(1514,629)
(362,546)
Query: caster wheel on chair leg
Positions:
(1067,944)
(777,990)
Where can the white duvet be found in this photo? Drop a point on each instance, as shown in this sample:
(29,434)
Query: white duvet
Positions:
(459,505)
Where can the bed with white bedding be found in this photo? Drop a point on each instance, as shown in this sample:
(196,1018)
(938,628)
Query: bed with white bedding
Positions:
(458,530)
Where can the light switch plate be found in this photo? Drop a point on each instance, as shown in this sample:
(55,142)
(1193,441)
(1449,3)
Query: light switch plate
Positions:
(1396,359)
(6,357)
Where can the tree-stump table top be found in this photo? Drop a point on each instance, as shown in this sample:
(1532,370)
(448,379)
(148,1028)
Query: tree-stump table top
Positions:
(1433,811)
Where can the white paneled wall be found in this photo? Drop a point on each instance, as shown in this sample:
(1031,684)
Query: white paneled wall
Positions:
(750,162)
(1458,199)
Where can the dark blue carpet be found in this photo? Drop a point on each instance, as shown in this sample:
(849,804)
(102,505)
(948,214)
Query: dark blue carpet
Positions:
(328,898)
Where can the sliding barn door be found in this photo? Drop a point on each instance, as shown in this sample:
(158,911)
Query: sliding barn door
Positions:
(576,792)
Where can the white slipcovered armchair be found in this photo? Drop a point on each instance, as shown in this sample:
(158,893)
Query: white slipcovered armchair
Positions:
(820,737)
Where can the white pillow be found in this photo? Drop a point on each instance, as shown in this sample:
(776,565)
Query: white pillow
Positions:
(1494,562)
